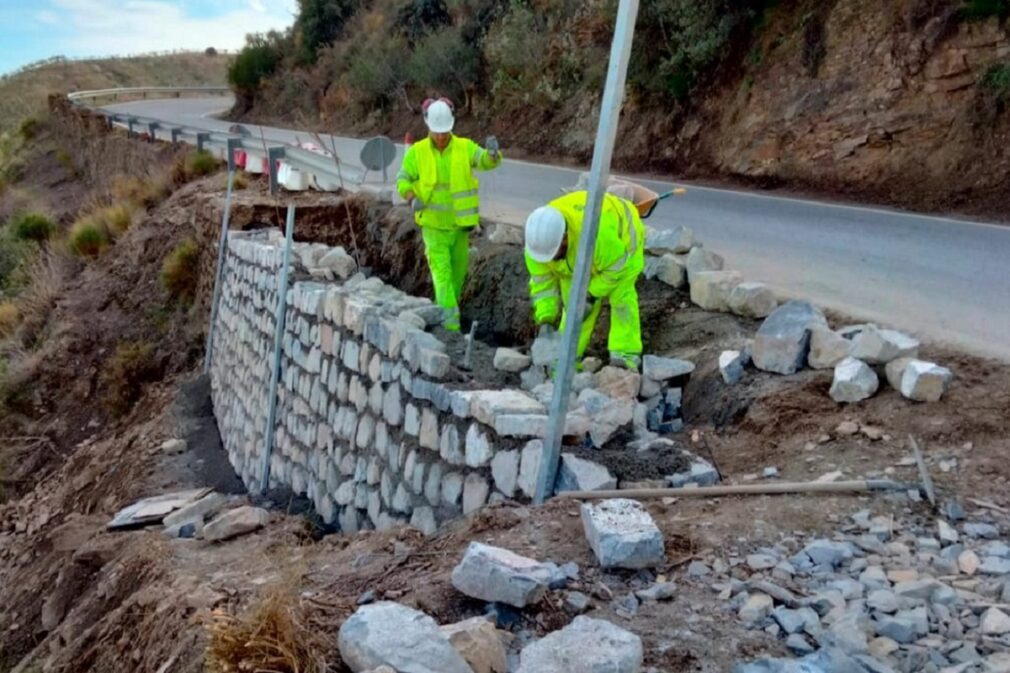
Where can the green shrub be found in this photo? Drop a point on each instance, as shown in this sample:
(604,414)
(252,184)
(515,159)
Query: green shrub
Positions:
(444,63)
(200,163)
(979,10)
(125,373)
(319,22)
(417,18)
(30,226)
(29,129)
(996,82)
(180,271)
(88,237)
(377,75)
(258,59)
(514,47)
(15,253)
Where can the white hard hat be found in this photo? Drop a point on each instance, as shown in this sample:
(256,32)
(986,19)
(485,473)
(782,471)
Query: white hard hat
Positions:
(545,229)
(438,117)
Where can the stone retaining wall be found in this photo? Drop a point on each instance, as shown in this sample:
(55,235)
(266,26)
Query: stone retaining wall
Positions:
(369,424)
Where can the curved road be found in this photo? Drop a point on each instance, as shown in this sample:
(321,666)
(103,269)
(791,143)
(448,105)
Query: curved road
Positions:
(940,278)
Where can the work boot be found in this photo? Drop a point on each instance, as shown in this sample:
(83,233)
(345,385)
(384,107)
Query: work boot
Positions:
(626,360)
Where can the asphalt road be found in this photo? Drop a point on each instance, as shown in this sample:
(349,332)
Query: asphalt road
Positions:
(942,279)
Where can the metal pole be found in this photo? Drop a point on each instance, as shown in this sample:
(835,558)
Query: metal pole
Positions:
(610,112)
(274,154)
(275,362)
(201,140)
(858,486)
(222,245)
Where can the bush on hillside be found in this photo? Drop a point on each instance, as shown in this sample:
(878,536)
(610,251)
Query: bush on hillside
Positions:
(199,163)
(87,237)
(139,192)
(115,219)
(125,373)
(979,10)
(31,226)
(443,63)
(15,254)
(377,76)
(180,271)
(515,48)
(29,128)
(319,23)
(10,316)
(997,82)
(420,17)
(258,60)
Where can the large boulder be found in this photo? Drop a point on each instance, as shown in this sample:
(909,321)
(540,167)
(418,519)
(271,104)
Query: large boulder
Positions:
(854,381)
(699,260)
(477,641)
(498,575)
(585,646)
(879,346)
(678,240)
(390,634)
(752,300)
(711,289)
(622,534)
(783,340)
(827,348)
(918,380)
(667,269)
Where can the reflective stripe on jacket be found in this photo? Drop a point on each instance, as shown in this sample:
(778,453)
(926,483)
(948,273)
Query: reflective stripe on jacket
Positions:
(618,254)
(445,182)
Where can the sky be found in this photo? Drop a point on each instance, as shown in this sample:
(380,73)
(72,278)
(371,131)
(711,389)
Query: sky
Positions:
(31,30)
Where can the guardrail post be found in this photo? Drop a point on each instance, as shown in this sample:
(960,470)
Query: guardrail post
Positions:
(275,362)
(175,134)
(610,110)
(274,155)
(222,246)
(129,126)
(201,138)
(152,129)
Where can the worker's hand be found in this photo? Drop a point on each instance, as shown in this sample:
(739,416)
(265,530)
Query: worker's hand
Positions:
(493,148)
(409,196)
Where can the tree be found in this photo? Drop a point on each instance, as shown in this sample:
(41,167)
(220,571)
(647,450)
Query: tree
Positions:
(319,22)
(257,60)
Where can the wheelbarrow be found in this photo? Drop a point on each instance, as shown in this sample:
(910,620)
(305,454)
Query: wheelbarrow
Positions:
(645,199)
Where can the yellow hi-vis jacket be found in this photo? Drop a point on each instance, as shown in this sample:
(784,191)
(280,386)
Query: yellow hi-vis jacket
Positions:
(619,255)
(445,182)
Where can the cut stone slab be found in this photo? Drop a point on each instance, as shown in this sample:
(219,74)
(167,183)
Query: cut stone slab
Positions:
(677,240)
(752,300)
(827,348)
(731,365)
(711,289)
(622,534)
(207,506)
(498,575)
(154,509)
(578,474)
(664,369)
(920,381)
(585,646)
(486,405)
(879,346)
(508,360)
(783,340)
(477,641)
(854,381)
(390,634)
(235,522)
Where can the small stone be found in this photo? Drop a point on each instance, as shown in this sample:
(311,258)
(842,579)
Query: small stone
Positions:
(499,575)
(618,382)
(660,591)
(508,360)
(505,471)
(697,569)
(235,522)
(622,534)
(854,381)
(731,367)
(477,641)
(770,473)
(475,492)
(664,369)
(761,561)
(597,645)
(825,552)
(174,446)
(544,350)
(985,531)
(897,629)
(798,645)
(756,608)
(576,602)
(948,535)
(995,622)
(847,428)
(968,562)
(883,600)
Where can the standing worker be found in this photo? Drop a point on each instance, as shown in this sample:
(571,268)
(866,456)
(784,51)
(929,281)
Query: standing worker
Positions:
(437,179)
(552,241)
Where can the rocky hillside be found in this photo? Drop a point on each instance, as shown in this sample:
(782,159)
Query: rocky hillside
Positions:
(902,102)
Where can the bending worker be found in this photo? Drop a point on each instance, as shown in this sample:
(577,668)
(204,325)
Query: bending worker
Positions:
(437,179)
(552,239)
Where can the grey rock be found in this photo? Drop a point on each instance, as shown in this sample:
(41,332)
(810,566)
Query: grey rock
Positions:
(390,634)
(761,561)
(879,346)
(827,348)
(545,349)
(826,552)
(752,300)
(985,531)
(854,381)
(883,600)
(799,645)
(825,660)
(995,622)
(475,492)
(898,629)
(731,366)
(205,507)
(756,608)
(499,575)
(924,381)
(711,289)
(663,369)
(235,522)
(678,240)
(699,260)
(508,360)
(701,472)
(622,534)
(783,340)
(577,474)
(660,591)
(505,471)
(697,569)
(849,632)
(576,602)
(423,519)
(668,269)
(584,646)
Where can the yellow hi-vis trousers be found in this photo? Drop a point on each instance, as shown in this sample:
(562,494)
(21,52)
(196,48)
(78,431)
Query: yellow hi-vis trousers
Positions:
(448,254)
(625,338)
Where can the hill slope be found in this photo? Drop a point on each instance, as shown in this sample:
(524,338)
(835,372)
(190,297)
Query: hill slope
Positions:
(24,93)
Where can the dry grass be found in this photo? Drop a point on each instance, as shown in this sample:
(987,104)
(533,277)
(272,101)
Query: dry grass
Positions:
(140,192)
(47,274)
(115,218)
(10,318)
(181,270)
(275,635)
(125,374)
(87,237)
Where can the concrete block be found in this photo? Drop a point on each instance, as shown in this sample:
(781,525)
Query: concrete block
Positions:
(622,534)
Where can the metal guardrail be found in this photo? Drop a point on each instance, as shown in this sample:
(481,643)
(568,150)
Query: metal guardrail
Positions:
(329,168)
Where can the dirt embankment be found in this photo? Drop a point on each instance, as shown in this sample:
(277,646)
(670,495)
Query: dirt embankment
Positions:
(891,102)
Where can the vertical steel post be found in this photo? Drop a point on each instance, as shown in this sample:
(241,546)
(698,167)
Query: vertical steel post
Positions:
(610,112)
(201,140)
(275,362)
(222,245)
(274,155)
(129,127)
(175,134)
(152,130)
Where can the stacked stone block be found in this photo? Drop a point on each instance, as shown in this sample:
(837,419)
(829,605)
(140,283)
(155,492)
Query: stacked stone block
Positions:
(370,425)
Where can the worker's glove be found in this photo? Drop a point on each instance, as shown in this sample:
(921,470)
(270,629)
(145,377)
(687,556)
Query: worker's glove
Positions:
(417,205)
(492,147)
